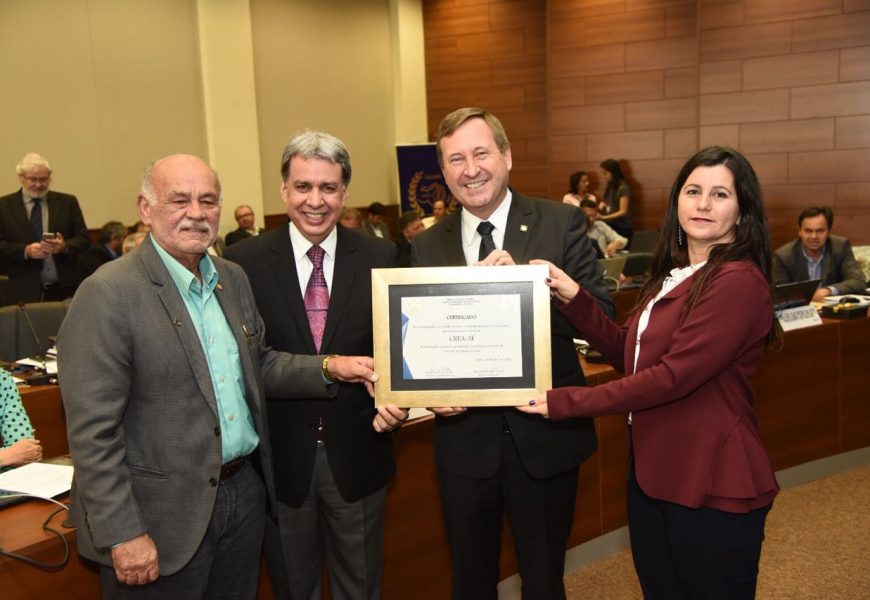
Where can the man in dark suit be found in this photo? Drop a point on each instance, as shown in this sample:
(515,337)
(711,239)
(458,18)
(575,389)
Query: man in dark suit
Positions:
(244,216)
(496,460)
(108,247)
(410,226)
(163,374)
(332,459)
(41,234)
(818,254)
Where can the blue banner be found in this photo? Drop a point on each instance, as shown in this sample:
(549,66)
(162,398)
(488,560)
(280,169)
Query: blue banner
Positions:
(420,180)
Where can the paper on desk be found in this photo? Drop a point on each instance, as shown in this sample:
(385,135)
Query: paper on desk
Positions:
(49,365)
(38,479)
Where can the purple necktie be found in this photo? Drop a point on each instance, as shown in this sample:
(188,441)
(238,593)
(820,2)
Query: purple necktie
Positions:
(316,296)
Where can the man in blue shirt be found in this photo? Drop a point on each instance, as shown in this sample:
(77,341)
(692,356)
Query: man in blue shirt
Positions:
(163,373)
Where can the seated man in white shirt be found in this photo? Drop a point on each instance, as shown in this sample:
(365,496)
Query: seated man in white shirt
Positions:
(607,241)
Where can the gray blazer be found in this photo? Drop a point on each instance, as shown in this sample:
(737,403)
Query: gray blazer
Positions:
(839,267)
(141,412)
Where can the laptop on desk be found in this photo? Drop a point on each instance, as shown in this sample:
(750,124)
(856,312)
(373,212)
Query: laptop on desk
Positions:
(612,270)
(799,293)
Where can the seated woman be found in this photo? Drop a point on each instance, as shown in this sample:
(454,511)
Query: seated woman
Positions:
(700,482)
(17,446)
(617,195)
(578,183)
(607,241)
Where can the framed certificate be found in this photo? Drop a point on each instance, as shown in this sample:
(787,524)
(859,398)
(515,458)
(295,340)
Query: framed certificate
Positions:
(461,336)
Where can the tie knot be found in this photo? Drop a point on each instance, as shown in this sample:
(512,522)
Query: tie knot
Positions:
(36,201)
(316,254)
(485,228)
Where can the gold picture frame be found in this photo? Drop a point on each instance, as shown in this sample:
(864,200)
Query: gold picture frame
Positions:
(461,336)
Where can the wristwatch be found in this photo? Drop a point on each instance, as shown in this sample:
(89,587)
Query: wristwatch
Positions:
(324,368)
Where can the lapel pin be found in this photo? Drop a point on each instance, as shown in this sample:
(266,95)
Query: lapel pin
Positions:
(219,286)
(524,228)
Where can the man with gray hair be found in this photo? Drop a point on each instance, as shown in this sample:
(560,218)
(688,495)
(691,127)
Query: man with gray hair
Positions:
(332,458)
(41,233)
(108,247)
(163,370)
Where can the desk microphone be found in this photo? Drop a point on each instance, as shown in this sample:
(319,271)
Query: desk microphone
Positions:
(41,355)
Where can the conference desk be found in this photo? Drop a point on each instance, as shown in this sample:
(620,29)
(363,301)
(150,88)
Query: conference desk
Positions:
(812,402)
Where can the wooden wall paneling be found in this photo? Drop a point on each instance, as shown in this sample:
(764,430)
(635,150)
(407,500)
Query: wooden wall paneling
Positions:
(588,60)
(853,132)
(840,31)
(745,107)
(787,136)
(855,5)
(656,173)
(855,64)
(613,465)
(567,91)
(681,20)
(812,404)
(762,11)
(665,53)
(719,135)
(587,119)
(833,165)
(853,226)
(560,10)
(854,383)
(854,197)
(630,26)
(642,4)
(681,83)
(834,100)
(791,70)
(626,145)
(681,143)
(720,76)
(718,15)
(745,41)
(661,114)
(771,169)
(526,69)
(567,148)
(625,87)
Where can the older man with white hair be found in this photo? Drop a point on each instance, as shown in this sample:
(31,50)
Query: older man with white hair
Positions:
(41,233)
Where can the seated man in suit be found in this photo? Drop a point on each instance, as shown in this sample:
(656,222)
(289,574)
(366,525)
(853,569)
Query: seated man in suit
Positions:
(439,211)
(108,247)
(374,224)
(41,234)
(244,216)
(818,254)
(410,226)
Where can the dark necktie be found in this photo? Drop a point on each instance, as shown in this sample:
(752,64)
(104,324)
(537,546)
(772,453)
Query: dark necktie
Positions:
(316,296)
(36,218)
(487,244)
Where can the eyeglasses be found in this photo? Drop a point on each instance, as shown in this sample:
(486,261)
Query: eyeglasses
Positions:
(30,179)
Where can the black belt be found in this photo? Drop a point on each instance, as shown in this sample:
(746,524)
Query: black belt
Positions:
(234,466)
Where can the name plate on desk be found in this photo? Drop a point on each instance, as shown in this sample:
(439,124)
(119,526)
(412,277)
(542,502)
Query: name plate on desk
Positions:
(798,317)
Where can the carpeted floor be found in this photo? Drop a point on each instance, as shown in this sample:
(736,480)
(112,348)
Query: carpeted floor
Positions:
(816,548)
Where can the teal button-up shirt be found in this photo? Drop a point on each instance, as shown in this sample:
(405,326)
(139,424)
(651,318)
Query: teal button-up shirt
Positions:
(238,434)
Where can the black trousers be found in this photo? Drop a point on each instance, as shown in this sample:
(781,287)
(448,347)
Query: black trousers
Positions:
(693,553)
(540,513)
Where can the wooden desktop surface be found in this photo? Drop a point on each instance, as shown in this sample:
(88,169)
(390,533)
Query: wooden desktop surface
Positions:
(812,402)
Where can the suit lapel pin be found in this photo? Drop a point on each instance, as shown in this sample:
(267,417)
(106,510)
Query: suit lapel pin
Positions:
(219,286)
(524,228)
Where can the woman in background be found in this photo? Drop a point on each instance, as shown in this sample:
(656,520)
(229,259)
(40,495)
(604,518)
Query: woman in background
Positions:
(617,195)
(17,446)
(578,183)
(700,482)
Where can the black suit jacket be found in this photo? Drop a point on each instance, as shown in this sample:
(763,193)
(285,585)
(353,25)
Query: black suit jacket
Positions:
(93,258)
(470,443)
(65,217)
(237,235)
(361,460)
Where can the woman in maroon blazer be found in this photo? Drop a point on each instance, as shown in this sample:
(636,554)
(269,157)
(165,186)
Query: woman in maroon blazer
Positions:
(700,480)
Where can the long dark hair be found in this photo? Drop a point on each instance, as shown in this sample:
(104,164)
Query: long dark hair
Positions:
(751,237)
(611,166)
(574,182)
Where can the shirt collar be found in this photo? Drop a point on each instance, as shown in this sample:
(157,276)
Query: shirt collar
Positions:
(812,260)
(498,219)
(183,278)
(301,244)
